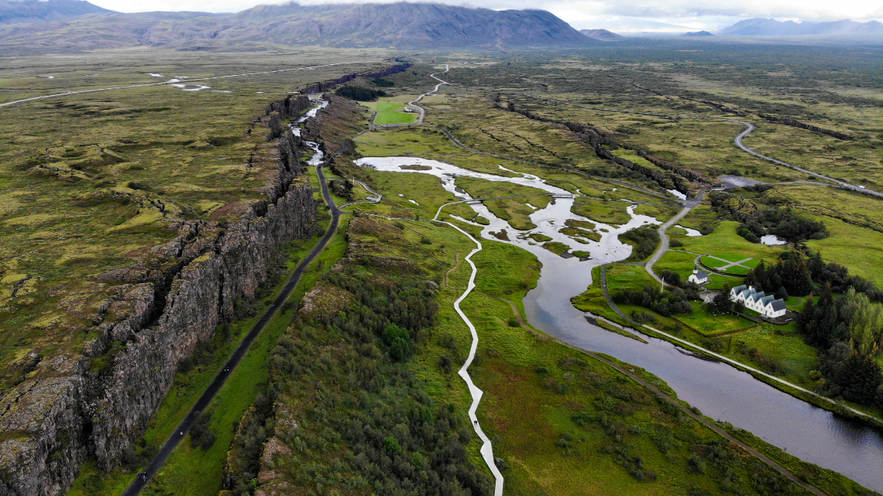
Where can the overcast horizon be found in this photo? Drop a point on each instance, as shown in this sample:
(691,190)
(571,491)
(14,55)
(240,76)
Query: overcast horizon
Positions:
(672,16)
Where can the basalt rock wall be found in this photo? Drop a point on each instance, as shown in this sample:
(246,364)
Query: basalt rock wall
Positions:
(96,403)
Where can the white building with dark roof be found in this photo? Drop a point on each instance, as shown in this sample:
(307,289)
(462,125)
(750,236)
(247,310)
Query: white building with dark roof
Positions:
(768,306)
(698,276)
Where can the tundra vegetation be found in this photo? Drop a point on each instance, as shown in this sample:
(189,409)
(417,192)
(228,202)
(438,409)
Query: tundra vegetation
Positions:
(353,389)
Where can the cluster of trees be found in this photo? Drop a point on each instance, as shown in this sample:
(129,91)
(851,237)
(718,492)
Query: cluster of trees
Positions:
(798,274)
(772,218)
(674,302)
(382,83)
(645,240)
(341,188)
(363,421)
(201,435)
(845,322)
(409,303)
(790,275)
(850,329)
(359,94)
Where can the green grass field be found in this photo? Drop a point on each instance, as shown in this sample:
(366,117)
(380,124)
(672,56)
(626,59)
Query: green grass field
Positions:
(394,118)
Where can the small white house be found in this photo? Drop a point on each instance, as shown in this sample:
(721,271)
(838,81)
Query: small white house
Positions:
(775,308)
(767,306)
(698,276)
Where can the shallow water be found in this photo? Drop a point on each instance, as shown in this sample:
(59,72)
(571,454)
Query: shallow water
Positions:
(718,390)
(773,240)
(690,232)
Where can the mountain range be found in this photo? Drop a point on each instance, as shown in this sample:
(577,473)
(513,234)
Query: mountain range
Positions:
(772,27)
(395,25)
(22,12)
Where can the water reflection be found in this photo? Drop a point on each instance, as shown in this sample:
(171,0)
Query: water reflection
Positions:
(718,390)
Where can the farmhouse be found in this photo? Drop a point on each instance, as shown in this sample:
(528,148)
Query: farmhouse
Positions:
(698,276)
(768,306)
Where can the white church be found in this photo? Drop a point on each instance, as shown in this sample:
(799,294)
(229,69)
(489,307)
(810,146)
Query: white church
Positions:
(698,276)
(768,306)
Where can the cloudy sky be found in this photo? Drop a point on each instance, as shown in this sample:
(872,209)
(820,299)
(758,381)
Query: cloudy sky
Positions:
(616,15)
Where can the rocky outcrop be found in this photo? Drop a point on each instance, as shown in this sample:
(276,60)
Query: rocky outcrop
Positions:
(809,127)
(97,403)
(672,176)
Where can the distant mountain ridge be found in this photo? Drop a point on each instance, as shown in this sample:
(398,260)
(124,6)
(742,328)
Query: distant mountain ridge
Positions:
(601,34)
(28,11)
(771,27)
(394,25)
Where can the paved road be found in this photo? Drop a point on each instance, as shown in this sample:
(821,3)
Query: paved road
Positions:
(750,127)
(137,485)
(737,140)
(663,237)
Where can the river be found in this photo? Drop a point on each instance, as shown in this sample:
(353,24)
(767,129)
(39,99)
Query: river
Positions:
(718,390)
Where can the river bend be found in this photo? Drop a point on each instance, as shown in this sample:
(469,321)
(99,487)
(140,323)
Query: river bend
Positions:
(718,390)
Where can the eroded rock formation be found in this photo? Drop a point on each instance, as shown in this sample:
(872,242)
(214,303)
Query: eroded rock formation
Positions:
(95,403)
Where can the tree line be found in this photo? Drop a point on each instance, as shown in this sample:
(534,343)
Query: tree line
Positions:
(345,402)
(769,218)
(845,322)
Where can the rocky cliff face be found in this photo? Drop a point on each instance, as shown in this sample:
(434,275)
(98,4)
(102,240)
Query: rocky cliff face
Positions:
(95,404)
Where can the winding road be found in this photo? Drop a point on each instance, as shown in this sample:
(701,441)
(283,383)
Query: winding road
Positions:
(413,103)
(749,127)
(663,237)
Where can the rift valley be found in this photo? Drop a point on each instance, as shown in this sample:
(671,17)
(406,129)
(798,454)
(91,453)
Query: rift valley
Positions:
(157,202)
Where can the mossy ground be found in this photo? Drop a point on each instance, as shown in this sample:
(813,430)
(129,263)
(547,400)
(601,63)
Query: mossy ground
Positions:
(90,182)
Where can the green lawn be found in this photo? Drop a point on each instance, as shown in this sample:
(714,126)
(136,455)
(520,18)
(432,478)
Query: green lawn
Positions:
(388,106)
(730,257)
(712,262)
(737,270)
(383,106)
(710,324)
(724,243)
(717,281)
(864,258)
(394,118)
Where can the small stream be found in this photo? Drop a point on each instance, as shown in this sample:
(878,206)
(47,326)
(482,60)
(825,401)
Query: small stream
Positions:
(718,390)
(318,155)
